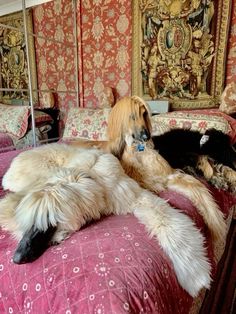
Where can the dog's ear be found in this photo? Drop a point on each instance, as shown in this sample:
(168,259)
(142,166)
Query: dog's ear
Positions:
(147,115)
(32,245)
(148,122)
(117,123)
(117,147)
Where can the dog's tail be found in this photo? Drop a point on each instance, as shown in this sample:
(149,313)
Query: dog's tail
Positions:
(180,239)
(202,199)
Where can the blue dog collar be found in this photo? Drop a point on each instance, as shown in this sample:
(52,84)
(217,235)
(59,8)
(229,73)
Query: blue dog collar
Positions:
(140,147)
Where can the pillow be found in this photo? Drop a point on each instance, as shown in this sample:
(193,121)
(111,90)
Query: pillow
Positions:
(189,120)
(41,118)
(48,100)
(228,99)
(89,124)
(106,98)
(14,119)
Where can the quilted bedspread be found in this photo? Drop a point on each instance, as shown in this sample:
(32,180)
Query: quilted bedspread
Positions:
(110,266)
(6,143)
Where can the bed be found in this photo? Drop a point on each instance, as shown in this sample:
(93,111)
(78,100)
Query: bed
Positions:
(111,265)
(16,127)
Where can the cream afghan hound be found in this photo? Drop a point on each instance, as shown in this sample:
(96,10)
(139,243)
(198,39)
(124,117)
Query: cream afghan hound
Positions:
(129,126)
(57,188)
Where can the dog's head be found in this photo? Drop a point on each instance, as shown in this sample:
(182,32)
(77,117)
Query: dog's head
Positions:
(129,117)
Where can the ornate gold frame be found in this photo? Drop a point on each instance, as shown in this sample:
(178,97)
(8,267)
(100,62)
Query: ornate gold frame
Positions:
(9,20)
(217,76)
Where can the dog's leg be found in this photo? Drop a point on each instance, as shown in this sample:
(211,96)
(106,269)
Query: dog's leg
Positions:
(230,177)
(60,235)
(148,168)
(229,174)
(180,239)
(156,174)
(33,244)
(201,198)
(154,166)
(224,178)
(205,166)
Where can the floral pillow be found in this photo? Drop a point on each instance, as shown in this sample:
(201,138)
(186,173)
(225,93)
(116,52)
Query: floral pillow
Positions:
(89,124)
(228,99)
(14,120)
(189,120)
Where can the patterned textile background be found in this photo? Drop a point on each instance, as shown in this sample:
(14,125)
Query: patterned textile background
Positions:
(231,63)
(55,57)
(104,48)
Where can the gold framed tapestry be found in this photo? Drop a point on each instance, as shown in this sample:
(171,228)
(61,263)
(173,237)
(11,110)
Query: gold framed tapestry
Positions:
(179,51)
(13,59)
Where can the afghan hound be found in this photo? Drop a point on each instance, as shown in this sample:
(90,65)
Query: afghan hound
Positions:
(129,126)
(210,154)
(55,189)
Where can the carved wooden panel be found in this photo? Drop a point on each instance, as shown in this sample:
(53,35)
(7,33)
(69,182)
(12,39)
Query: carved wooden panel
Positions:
(179,51)
(13,59)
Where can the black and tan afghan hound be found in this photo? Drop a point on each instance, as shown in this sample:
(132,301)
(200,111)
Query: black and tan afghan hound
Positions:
(194,150)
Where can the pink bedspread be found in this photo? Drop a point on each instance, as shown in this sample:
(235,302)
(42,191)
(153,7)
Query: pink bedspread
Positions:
(110,266)
(6,143)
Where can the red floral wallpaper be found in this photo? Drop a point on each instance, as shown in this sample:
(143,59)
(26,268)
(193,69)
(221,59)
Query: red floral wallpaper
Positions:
(104,49)
(231,63)
(55,55)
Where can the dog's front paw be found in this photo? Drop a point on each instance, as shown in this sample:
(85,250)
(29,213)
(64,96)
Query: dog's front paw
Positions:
(59,236)
(229,174)
(205,166)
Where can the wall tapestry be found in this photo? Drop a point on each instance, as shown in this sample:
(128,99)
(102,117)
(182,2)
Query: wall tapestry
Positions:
(13,59)
(179,51)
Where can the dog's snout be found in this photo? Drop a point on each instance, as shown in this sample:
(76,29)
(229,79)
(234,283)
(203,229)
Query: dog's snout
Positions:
(33,244)
(145,135)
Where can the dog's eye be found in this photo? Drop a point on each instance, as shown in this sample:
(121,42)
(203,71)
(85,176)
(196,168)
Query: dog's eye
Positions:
(132,117)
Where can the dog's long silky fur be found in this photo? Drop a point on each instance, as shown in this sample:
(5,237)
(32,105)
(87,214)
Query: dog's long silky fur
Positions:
(202,153)
(128,120)
(192,144)
(63,187)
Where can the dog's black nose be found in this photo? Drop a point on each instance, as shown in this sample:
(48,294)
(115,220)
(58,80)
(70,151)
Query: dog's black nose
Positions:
(144,135)
(17,258)
(32,245)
